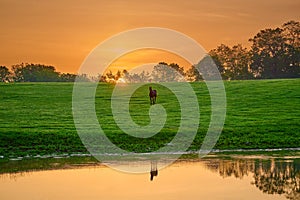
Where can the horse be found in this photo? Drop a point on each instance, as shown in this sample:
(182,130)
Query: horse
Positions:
(152,95)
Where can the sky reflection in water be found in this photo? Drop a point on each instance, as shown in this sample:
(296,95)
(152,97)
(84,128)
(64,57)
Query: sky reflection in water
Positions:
(213,178)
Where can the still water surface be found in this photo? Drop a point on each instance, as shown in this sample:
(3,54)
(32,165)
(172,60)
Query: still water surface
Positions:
(216,178)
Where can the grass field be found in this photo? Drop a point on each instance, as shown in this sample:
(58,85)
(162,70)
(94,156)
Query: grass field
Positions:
(36,118)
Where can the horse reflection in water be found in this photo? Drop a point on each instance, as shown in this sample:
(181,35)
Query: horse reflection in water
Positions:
(153,171)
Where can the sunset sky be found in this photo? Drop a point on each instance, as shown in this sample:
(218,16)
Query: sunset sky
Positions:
(63,32)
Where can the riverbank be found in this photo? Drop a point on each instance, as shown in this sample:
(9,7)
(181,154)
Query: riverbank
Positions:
(73,161)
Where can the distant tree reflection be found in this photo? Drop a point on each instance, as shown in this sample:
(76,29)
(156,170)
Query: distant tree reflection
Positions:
(270,176)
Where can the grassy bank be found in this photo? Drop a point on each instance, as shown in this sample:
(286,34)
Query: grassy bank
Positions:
(36,118)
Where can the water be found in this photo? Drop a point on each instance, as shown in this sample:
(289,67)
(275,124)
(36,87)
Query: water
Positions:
(214,178)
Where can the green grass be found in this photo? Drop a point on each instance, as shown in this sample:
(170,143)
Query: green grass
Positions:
(36,118)
(262,114)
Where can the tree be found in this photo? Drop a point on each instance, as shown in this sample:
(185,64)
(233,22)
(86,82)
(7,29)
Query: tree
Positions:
(102,78)
(192,74)
(166,73)
(207,68)
(67,77)
(4,74)
(117,75)
(240,63)
(219,56)
(110,77)
(135,77)
(232,62)
(176,67)
(291,31)
(144,76)
(18,71)
(82,78)
(274,54)
(126,76)
(34,73)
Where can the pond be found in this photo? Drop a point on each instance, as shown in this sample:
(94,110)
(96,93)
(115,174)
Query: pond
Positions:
(214,177)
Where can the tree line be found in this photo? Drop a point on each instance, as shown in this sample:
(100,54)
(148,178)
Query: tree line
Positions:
(162,72)
(26,72)
(274,53)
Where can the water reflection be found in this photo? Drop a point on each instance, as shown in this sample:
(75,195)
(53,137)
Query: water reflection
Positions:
(242,177)
(153,171)
(272,176)
(20,168)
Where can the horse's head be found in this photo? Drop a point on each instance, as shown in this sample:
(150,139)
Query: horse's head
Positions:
(150,88)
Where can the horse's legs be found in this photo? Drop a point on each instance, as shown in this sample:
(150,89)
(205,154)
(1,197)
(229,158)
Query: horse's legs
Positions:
(152,100)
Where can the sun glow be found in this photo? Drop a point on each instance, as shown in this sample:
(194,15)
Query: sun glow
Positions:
(121,80)
(137,58)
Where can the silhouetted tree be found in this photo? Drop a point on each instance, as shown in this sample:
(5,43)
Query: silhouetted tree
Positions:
(110,77)
(135,77)
(117,75)
(291,31)
(67,77)
(34,73)
(233,63)
(166,73)
(274,52)
(144,76)
(192,74)
(102,78)
(219,56)
(208,69)
(82,78)
(176,67)
(4,74)
(126,75)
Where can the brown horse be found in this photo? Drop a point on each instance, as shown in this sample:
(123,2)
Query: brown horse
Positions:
(152,95)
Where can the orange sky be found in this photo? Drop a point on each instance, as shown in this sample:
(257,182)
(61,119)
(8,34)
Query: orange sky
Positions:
(62,33)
